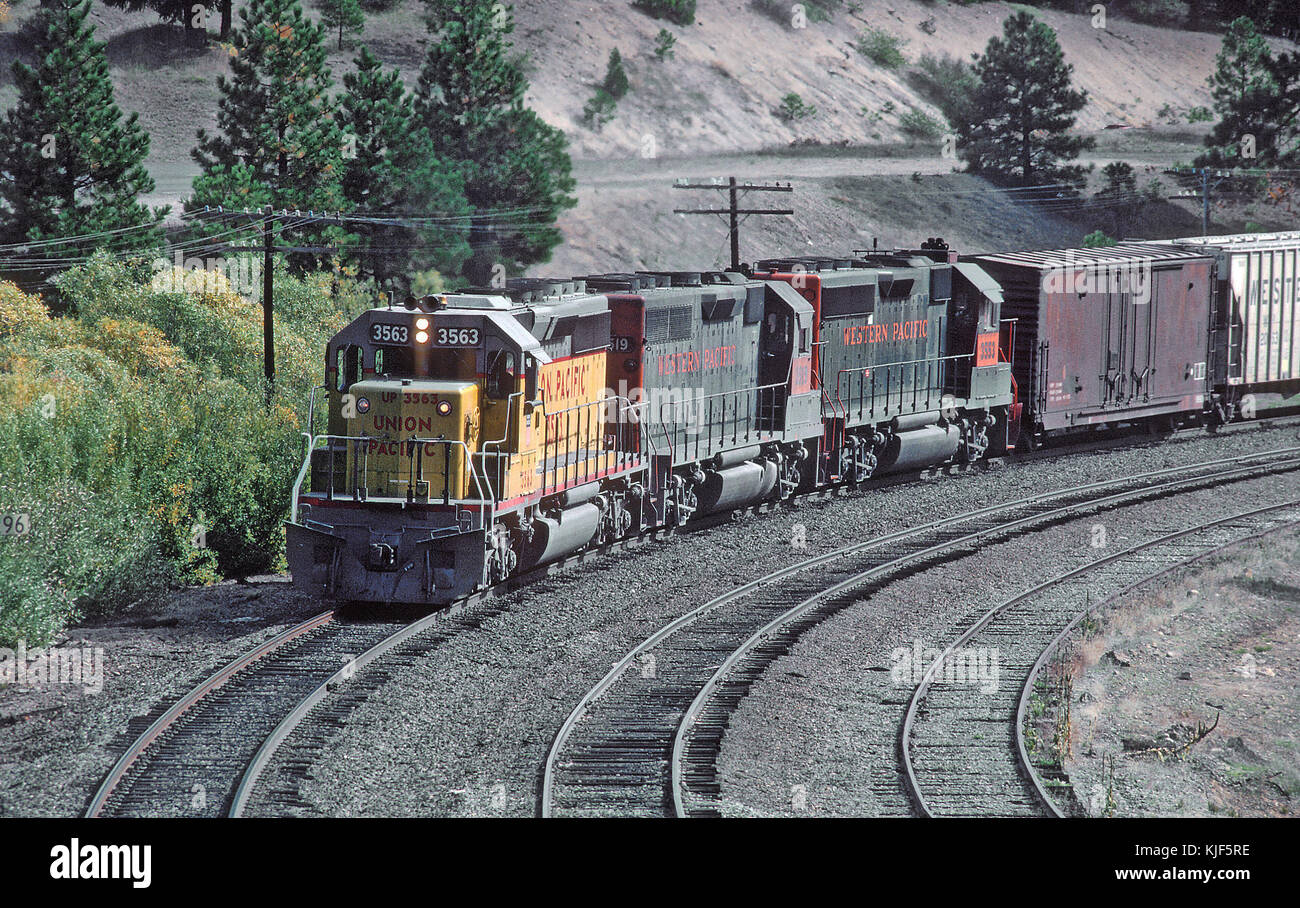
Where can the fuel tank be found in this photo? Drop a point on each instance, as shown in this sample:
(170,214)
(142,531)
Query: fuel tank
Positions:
(736,486)
(919,448)
(555,537)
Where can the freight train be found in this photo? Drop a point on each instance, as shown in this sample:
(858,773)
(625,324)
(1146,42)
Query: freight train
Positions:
(474,435)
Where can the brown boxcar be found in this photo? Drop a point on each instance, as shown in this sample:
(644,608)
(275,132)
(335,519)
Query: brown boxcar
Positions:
(1115,334)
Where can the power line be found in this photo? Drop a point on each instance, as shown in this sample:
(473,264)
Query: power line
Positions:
(732,211)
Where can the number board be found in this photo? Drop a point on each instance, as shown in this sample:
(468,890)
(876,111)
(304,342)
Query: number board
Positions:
(15,524)
(455,337)
(390,335)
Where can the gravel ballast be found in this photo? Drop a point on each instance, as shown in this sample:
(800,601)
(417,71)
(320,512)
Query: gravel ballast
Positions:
(463,731)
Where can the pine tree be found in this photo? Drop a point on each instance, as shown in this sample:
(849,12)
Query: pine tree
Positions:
(1245,93)
(664,43)
(471,100)
(1017,126)
(1284,116)
(344,15)
(393,171)
(278,137)
(1119,194)
(70,163)
(616,81)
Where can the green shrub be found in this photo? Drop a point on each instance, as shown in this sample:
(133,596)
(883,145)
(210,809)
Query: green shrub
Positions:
(793,108)
(1097,239)
(946,82)
(918,123)
(599,109)
(136,435)
(665,41)
(882,48)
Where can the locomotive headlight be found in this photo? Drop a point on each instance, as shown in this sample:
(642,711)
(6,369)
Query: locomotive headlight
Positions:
(363,405)
(421,337)
(421,324)
(444,408)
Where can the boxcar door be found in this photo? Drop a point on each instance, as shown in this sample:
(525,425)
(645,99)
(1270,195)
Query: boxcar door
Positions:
(1141,308)
(1113,358)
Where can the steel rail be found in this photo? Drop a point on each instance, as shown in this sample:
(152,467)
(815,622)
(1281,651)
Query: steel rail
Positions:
(185,703)
(705,694)
(147,739)
(261,759)
(969,634)
(1026,690)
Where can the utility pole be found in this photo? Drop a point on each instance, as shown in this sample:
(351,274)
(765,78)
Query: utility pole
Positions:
(268,305)
(733,211)
(268,250)
(1206,189)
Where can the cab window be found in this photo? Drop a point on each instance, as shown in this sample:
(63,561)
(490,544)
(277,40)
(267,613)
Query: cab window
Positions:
(349,365)
(500,374)
(394,361)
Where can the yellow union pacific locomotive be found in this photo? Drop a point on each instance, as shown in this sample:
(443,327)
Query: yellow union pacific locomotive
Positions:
(444,418)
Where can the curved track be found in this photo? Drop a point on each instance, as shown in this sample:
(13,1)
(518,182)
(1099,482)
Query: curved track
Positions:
(643,740)
(1028,768)
(205,754)
(184,764)
(959,740)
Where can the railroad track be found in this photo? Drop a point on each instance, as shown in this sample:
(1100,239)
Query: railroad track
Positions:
(959,740)
(205,755)
(644,740)
(1028,768)
(185,762)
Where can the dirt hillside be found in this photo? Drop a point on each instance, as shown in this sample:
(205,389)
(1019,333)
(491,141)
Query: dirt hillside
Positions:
(720,90)
(733,66)
(711,110)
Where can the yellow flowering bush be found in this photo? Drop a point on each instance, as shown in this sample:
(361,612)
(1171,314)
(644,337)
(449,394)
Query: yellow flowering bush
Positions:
(135,433)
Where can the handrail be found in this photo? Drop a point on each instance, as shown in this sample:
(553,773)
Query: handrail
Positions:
(497,442)
(486,503)
(311,408)
(864,371)
(760,400)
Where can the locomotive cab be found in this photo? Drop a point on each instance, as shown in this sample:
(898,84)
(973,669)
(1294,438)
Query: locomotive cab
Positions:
(468,434)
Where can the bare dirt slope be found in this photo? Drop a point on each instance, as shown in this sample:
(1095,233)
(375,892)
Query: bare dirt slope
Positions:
(710,109)
(720,90)
(733,66)
(1219,644)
